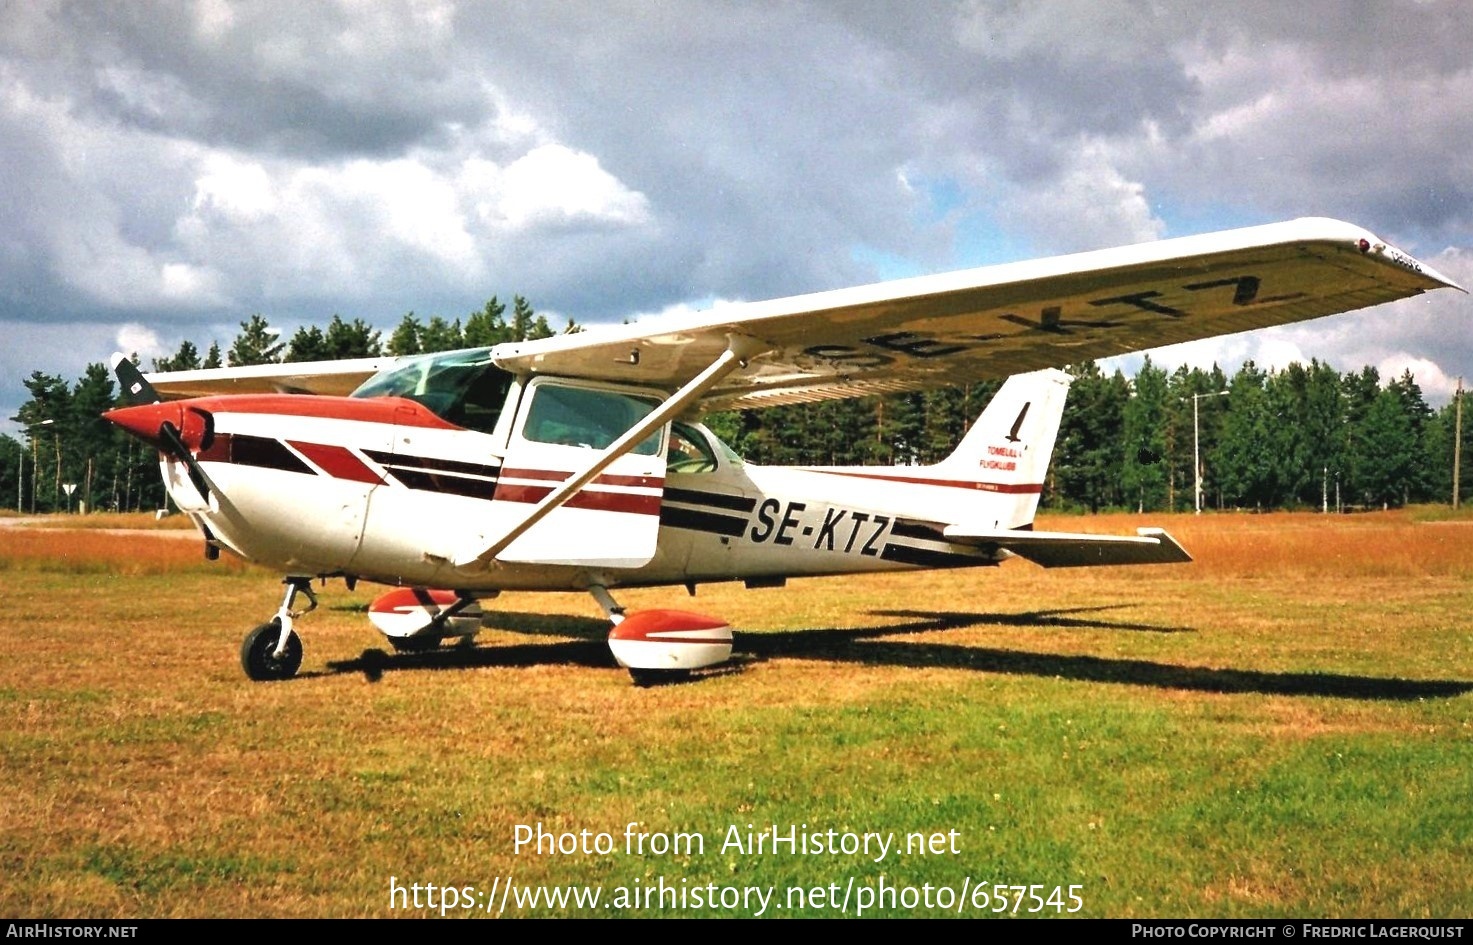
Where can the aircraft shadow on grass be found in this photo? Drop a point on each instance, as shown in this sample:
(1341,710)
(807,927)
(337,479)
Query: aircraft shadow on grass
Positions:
(869,646)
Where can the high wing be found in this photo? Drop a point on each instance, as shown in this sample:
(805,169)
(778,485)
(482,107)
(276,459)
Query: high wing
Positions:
(302,377)
(952,328)
(940,330)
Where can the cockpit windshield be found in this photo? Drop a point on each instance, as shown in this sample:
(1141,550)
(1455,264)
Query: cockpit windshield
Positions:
(461,387)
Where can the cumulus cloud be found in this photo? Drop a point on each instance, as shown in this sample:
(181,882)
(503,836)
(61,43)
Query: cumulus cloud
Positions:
(140,340)
(555,184)
(1090,205)
(185,163)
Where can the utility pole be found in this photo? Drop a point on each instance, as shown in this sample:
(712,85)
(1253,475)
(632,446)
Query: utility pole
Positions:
(36,465)
(1197,446)
(1457,441)
(56,441)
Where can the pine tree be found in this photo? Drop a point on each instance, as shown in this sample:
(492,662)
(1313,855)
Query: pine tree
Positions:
(1143,425)
(1418,415)
(1286,394)
(47,417)
(440,335)
(1438,453)
(1388,468)
(522,326)
(488,326)
(355,339)
(307,345)
(1090,450)
(12,465)
(185,359)
(1323,423)
(95,444)
(1247,469)
(406,337)
(257,343)
(1360,390)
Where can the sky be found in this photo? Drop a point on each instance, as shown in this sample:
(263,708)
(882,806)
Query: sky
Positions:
(168,169)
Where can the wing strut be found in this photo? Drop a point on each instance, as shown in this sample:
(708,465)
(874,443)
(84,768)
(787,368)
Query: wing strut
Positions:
(739,350)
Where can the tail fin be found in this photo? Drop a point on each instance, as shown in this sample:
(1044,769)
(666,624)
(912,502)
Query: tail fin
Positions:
(1007,451)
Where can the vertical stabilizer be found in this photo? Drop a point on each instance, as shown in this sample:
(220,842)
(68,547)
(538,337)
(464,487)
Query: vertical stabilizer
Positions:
(1006,453)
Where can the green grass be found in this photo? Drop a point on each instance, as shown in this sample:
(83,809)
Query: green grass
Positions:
(1220,739)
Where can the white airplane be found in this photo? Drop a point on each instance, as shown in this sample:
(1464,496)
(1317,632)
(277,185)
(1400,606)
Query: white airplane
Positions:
(578,462)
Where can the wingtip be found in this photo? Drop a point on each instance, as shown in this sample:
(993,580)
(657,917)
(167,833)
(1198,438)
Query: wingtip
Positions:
(1444,281)
(1369,244)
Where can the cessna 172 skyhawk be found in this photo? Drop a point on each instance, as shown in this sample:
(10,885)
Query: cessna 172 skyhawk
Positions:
(578,462)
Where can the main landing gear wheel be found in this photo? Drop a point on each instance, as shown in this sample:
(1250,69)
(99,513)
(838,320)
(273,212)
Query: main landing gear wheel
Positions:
(645,678)
(660,647)
(415,644)
(258,653)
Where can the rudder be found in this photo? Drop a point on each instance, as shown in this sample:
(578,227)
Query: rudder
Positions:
(1007,451)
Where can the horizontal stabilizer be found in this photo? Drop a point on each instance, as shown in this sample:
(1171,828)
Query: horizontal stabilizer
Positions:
(1066,550)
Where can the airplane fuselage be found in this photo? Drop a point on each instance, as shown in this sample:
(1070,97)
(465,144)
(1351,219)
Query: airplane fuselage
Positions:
(380,488)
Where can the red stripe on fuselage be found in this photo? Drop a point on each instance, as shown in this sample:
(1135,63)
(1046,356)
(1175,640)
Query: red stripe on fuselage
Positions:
(337,461)
(598,501)
(1015,488)
(553,475)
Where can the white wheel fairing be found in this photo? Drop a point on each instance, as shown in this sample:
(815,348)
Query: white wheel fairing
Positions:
(409,611)
(670,639)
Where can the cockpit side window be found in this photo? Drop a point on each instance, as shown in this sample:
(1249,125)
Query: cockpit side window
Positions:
(689,452)
(462,387)
(480,407)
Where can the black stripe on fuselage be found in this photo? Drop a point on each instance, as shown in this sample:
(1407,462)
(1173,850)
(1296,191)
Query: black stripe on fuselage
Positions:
(472,480)
(443,482)
(402,461)
(266,453)
(699,521)
(716,500)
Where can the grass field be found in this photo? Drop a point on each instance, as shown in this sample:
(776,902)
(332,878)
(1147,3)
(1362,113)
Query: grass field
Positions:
(1282,728)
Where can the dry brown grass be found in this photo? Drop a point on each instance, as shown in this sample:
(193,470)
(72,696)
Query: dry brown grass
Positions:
(1259,733)
(1380,544)
(131,521)
(64,551)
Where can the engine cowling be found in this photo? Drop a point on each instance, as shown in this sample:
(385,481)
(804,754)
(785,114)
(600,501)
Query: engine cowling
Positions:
(670,640)
(408,613)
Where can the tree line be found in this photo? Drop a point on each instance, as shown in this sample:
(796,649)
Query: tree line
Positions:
(1302,437)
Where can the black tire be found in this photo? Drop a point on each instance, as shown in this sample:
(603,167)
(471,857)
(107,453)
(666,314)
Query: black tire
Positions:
(645,678)
(257,653)
(415,644)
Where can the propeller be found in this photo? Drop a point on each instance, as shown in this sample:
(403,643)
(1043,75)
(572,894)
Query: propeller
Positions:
(169,426)
(136,390)
(169,434)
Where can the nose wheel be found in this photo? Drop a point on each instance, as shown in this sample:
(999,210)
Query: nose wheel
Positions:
(273,650)
(258,655)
